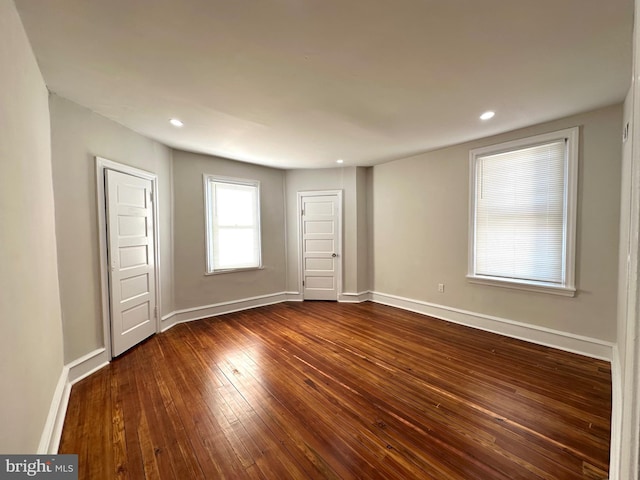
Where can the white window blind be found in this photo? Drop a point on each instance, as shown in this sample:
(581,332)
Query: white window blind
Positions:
(521,210)
(520,213)
(233,214)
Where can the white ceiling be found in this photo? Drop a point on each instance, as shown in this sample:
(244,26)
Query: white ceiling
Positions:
(301,83)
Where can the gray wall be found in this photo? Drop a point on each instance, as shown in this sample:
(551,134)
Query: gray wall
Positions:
(30,324)
(362,218)
(192,287)
(77,136)
(352,181)
(420,232)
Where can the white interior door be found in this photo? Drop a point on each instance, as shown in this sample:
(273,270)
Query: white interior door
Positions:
(320,232)
(130,230)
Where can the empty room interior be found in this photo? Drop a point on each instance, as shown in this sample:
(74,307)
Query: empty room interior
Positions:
(321,239)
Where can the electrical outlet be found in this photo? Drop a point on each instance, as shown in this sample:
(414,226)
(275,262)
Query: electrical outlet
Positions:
(441,287)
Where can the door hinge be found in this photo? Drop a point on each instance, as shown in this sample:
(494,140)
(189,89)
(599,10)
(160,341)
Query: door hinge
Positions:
(302,212)
(303,283)
(155,311)
(151,197)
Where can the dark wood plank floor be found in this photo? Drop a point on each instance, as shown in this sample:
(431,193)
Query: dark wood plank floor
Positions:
(321,390)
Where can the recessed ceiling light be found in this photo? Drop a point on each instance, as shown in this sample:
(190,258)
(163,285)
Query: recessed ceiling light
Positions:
(487,115)
(340,161)
(176,123)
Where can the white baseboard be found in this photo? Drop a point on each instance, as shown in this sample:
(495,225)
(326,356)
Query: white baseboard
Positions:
(615,449)
(345,297)
(359,297)
(590,347)
(294,297)
(71,373)
(87,364)
(198,313)
(50,438)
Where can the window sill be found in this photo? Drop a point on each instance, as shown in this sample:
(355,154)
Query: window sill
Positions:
(233,270)
(538,287)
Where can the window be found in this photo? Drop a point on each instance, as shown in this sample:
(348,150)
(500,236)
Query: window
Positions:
(232,209)
(522,215)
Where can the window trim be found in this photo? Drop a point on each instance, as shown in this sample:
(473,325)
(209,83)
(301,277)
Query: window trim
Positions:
(568,288)
(207,179)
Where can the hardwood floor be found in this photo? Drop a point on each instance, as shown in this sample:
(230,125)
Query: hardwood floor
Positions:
(321,390)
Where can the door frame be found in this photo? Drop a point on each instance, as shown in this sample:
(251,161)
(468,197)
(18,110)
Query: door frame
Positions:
(339,263)
(103,164)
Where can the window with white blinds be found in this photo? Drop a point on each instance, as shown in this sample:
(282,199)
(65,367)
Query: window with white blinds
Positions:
(232,224)
(523,213)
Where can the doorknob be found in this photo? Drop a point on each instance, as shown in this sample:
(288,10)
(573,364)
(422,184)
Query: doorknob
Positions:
(334,255)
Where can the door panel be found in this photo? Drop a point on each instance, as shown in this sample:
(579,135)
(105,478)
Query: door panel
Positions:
(132,226)
(134,287)
(132,296)
(134,317)
(315,264)
(320,246)
(319,283)
(319,227)
(131,257)
(321,206)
